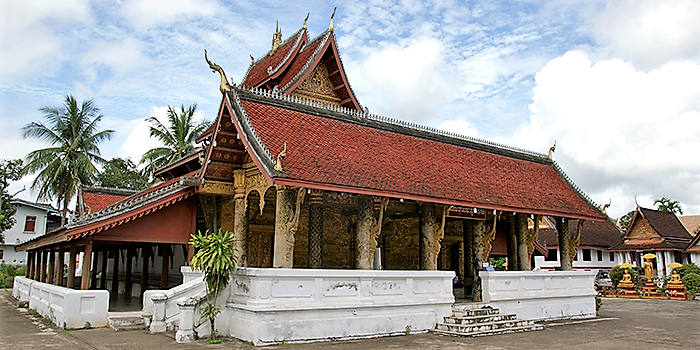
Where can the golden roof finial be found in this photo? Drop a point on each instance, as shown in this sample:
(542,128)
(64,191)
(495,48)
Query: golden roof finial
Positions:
(280,157)
(330,29)
(305,19)
(252,59)
(551,150)
(277,37)
(224,86)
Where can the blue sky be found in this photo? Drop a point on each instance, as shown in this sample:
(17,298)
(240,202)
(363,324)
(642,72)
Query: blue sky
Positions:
(615,83)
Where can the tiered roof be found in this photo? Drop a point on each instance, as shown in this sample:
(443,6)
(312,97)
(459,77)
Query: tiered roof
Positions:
(654,230)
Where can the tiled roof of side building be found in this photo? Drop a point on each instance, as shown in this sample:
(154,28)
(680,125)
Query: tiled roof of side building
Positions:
(665,223)
(690,222)
(593,234)
(258,71)
(353,152)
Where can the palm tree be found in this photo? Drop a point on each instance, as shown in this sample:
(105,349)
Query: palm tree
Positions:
(178,137)
(72,131)
(666,204)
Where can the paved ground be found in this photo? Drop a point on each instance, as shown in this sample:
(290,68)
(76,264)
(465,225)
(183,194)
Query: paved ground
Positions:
(623,324)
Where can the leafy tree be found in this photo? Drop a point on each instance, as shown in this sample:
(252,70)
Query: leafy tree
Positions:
(73,134)
(625,221)
(688,269)
(122,173)
(9,171)
(178,137)
(666,204)
(215,258)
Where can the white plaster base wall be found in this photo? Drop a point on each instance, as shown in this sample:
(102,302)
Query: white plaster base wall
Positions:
(67,308)
(268,306)
(541,295)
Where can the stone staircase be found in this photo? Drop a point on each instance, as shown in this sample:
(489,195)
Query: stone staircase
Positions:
(127,321)
(468,322)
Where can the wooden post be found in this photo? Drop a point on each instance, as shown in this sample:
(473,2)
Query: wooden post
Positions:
(37,265)
(144,268)
(42,273)
(58,278)
(165,248)
(190,254)
(512,245)
(566,260)
(52,265)
(522,233)
(93,276)
(30,261)
(103,270)
(87,260)
(72,260)
(127,271)
(115,273)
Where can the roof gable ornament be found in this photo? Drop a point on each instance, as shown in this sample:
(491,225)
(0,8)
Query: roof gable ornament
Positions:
(280,157)
(330,28)
(276,38)
(551,150)
(224,87)
(306,19)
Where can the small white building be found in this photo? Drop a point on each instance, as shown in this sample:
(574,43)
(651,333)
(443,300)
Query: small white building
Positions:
(33,220)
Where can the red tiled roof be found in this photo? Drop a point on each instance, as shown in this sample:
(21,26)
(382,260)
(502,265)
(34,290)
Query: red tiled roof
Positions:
(593,234)
(690,222)
(325,151)
(299,61)
(98,201)
(665,223)
(258,72)
(694,246)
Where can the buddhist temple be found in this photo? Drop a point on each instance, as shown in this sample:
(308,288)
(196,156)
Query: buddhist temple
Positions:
(338,214)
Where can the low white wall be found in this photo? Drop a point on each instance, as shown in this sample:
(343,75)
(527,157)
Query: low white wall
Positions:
(541,295)
(268,306)
(192,288)
(67,308)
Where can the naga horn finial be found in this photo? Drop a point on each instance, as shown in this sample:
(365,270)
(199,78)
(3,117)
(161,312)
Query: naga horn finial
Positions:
(330,29)
(224,86)
(306,19)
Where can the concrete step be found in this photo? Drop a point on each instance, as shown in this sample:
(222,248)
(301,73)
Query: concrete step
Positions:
(466,311)
(534,327)
(479,319)
(481,327)
(127,321)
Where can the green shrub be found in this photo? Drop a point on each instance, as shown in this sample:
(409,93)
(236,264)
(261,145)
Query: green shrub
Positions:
(692,282)
(687,269)
(8,273)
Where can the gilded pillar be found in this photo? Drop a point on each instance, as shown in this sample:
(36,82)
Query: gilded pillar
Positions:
(286,224)
(482,239)
(380,205)
(431,233)
(565,258)
(316,229)
(468,248)
(512,245)
(240,219)
(522,234)
(365,219)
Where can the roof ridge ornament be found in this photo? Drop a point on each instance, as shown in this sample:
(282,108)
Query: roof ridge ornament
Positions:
(280,157)
(330,28)
(551,150)
(306,19)
(224,87)
(276,38)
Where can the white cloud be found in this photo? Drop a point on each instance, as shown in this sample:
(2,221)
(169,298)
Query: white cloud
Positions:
(29,34)
(144,14)
(460,127)
(614,124)
(650,33)
(120,57)
(410,79)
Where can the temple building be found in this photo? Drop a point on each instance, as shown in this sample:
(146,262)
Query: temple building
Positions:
(337,213)
(656,232)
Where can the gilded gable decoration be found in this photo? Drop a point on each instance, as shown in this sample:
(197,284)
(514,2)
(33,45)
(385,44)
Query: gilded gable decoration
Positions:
(318,87)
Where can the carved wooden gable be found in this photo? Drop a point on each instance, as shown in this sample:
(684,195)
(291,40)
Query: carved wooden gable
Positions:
(642,229)
(318,87)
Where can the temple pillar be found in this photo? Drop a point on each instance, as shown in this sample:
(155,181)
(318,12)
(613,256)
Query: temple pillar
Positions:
(522,233)
(468,254)
(103,270)
(365,219)
(58,277)
(146,250)
(240,219)
(93,276)
(482,239)
(44,260)
(52,267)
(165,248)
(72,261)
(87,260)
(127,271)
(512,241)
(286,224)
(565,257)
(211,207)
(431,234)
(316,229)
(115,273)
(37,266)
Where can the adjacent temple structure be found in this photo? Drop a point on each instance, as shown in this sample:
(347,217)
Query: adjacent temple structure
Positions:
(338,214)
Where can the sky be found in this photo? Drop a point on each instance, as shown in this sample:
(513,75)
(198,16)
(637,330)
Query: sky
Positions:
(615,83)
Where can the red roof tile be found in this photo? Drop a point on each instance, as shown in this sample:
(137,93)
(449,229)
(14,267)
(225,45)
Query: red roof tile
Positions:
(322,150)
(98,201)
(258,72)
(299,61)
(593,234)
